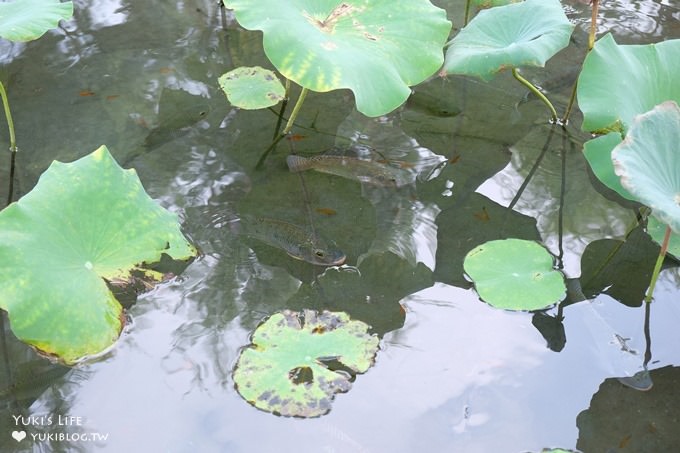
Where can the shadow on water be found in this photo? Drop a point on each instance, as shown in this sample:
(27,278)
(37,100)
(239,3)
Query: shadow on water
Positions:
(452,373)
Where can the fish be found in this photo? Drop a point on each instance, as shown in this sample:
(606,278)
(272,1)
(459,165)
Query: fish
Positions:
(298,242)
(365,171)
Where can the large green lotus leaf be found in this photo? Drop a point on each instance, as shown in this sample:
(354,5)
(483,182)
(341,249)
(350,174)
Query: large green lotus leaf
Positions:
(648,162)
(252,88)
(376,48)
(291,367)
(515,274)
(598,152)
(26,20)
(510,36)
(619,82)
(84,222)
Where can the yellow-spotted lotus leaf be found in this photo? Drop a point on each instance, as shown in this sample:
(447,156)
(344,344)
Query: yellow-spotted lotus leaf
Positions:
(26,20)
(84,223)
(518,34)
(648,162)
(514,274)
(617,83)
(252,88)
(297,362)
(376,48)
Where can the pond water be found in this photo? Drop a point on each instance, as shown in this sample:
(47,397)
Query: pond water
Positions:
(452,373)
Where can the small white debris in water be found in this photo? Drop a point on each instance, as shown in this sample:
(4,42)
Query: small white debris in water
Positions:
(88,265)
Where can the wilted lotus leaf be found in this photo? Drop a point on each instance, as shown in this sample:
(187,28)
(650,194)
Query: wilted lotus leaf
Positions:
(252,88)
(26,20)
(648,162)
(298,361)
(84,222)
(514,274)
(510,36)
(376,48)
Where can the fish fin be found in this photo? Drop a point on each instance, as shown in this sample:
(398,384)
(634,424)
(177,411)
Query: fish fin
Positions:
(297,163)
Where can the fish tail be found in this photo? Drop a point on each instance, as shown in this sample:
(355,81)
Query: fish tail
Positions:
(298,163)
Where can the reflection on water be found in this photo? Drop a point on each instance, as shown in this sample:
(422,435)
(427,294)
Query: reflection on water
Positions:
(453,373)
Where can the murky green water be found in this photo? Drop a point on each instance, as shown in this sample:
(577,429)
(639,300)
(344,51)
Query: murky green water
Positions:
(453,374)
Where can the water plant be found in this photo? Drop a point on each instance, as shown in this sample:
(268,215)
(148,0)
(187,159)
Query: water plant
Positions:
(515,274)
(86,225)
(21,21)
(298,361)
(648,163)
(609,103)
(374,48)
(507,37)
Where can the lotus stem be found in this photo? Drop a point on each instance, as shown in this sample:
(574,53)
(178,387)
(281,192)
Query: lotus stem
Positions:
(286,130)
(537,92)
(10,123)
(467,12)
(591,44)
(593,25)
(657,267)
(284,104)
(296,110)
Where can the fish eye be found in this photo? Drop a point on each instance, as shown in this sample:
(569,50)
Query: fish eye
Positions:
(319,253)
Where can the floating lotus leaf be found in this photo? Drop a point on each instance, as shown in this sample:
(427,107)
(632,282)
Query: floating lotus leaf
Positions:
(376,48)
(510,36)
(291,366)
(84,222)
(648,162)
(515,274)
(252,88)
(26,20)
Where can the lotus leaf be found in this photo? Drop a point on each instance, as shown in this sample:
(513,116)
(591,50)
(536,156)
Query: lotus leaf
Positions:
(598,154)
(617,83)
(252,88)
(376,48)
(510,36)
(515,274)
(648,162)
(26,20)
(84,222)
(289,367)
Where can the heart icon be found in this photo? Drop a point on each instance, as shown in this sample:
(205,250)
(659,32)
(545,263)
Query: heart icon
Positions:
(18,435)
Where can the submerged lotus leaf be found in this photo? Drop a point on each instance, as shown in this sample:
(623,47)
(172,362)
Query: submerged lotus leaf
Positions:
(84,222)
(291,368)
(252,88)
(26,20)
(514,274)
(648,162)
(619,82)
(510,36)
(376,48)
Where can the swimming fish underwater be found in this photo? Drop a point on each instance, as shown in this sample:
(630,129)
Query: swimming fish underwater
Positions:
(298,242)
(365,171)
